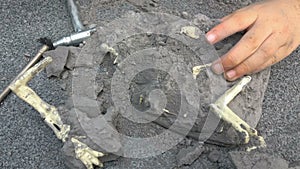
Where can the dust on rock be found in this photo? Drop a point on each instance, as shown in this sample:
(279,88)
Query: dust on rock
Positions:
(248,160)
(146,81)
(59,56)
(223,7)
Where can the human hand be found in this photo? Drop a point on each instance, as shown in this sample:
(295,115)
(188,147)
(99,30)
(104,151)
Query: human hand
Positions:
(273,32)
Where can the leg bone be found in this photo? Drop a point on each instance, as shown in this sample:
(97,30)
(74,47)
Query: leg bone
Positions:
(88,156)
(221,109)
(51,115)
(198,69)
(48,112)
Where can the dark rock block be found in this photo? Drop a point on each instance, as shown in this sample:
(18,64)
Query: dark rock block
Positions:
(59,56)
(249,160)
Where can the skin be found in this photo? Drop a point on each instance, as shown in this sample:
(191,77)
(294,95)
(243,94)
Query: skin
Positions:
(272,33)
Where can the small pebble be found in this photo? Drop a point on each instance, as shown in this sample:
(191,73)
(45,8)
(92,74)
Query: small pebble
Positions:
(85,23)
(3,78)
(65,75)
(93,26)
(81,45)
(63,86)
(153,4)
(99,89)
(162,43)
(187,156)
(185,15)
(27,55)
(188,142)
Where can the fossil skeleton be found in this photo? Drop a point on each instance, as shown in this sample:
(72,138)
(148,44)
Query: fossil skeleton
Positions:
(51,115)
(88,156)
(221,109)
(198,69)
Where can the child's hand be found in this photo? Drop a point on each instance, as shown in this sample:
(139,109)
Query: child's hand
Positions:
(273,32)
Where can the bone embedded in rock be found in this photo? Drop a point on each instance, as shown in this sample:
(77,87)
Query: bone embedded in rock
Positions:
(221,109)
(231,93)
(191,31)
(168,112)
(53,119)
(48,112)
(88,156)
(197,69)
(108,49)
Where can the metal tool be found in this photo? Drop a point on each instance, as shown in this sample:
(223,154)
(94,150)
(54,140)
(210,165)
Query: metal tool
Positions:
(81,33)
(73,39)
(35,59)
(77,24)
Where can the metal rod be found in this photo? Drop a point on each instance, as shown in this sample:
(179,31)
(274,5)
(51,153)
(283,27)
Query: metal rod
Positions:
(74,39)
(35,59)
(77,24)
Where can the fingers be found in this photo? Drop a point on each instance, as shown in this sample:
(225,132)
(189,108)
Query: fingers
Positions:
(248,45)
(278,56)
(265,56)
(271,36)
(230,25)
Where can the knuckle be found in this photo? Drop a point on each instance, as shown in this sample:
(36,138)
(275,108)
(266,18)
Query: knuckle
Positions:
(266,53)
(244,68)
(291,44)
(237,20)
(291,47)
(230,61)
(259,68)
(274,59)
(219,30)
(251,42)
(220,27)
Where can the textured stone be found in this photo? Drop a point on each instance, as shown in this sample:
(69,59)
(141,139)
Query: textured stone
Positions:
(247,105)
(59,56)
(246,160)
(214,156)
(187,156)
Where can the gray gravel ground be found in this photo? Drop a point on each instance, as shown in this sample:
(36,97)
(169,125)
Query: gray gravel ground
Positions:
(26,142)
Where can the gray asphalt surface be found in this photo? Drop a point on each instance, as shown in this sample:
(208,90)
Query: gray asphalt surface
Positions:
(26,141)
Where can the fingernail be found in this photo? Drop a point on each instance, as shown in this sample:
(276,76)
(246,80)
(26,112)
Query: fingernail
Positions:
(231,74)
(217,68)
(210,37)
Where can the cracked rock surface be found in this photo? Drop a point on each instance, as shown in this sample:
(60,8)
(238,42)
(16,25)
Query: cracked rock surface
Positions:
(28,143)
(247,160)
(140,53)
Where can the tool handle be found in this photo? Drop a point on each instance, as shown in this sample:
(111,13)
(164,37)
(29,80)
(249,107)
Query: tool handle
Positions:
(77,25)
(35,59)
(5,92)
